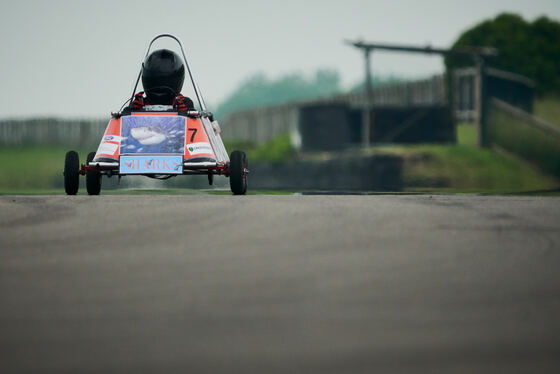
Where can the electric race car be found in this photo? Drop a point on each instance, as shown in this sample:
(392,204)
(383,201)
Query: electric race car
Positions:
(159,141)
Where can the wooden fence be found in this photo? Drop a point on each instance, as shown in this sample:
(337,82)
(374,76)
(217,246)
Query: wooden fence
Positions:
(82,133)
(258,125)
(261,124)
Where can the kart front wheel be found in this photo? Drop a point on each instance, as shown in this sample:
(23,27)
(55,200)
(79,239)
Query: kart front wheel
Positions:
(238,173)
(71,173)
(93,178)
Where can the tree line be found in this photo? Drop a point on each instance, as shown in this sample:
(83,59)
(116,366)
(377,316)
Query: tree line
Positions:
(531,49)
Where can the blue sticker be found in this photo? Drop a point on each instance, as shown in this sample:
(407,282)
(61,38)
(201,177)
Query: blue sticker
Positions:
(144,164)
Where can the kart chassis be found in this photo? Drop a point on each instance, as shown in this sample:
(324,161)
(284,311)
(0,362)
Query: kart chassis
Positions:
(236,168)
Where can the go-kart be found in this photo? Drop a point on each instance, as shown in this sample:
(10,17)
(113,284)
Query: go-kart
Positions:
(159,142)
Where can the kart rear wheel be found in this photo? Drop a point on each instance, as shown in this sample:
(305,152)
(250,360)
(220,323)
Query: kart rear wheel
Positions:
(93,178)
(71,173)
(238,172)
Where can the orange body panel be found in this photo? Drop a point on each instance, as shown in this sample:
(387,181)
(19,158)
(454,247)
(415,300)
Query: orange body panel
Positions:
(110,144)
(197,143)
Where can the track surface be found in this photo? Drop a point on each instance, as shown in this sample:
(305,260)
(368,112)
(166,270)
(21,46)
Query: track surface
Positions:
(279,284)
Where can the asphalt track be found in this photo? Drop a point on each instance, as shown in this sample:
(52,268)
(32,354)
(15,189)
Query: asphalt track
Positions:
(279,284)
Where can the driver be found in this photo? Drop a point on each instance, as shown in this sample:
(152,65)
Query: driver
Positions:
(163,73)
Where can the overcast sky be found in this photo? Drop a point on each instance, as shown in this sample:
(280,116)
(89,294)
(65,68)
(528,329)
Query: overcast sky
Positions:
(80,58)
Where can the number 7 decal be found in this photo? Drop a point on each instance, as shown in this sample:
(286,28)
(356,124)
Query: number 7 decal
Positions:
(193,133)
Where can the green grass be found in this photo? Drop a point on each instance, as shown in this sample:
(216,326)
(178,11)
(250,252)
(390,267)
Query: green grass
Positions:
(40,167)
(163,191)
(38,170)
(33,167)
(460,168)
(188,191)
(467,134)
(467,169)
(548,109)
(32,191)
(276,150)
(516,135)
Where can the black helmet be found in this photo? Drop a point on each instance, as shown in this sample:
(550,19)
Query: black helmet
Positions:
(163,74)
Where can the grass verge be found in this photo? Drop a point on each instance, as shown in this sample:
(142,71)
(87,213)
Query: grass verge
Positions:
(431,168)
(276,150)
(467,169)
(548,109)
(516,134)
(33,168)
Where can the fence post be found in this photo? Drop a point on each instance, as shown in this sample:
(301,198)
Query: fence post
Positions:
(483,104)
(368,115)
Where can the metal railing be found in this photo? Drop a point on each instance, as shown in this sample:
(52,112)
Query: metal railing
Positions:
(524,135)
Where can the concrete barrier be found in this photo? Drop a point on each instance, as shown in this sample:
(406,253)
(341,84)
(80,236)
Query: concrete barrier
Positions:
(341,173)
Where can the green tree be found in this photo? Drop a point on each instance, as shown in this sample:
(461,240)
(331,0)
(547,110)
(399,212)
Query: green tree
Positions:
(258,90)
(530,49)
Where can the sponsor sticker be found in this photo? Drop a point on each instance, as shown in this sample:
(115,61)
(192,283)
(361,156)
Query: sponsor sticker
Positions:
(198,148)
(114,138)
(144,164)
(107,148)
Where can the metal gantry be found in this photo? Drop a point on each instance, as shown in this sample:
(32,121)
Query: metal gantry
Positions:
(478,54)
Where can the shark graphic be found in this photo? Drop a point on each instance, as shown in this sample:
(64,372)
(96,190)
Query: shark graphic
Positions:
(148,135)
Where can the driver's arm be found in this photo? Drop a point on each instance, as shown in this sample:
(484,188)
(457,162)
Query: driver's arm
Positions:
(184,103)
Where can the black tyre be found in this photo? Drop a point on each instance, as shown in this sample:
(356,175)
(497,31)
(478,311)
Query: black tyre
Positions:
(71,173)
(93,178)
(238,172)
